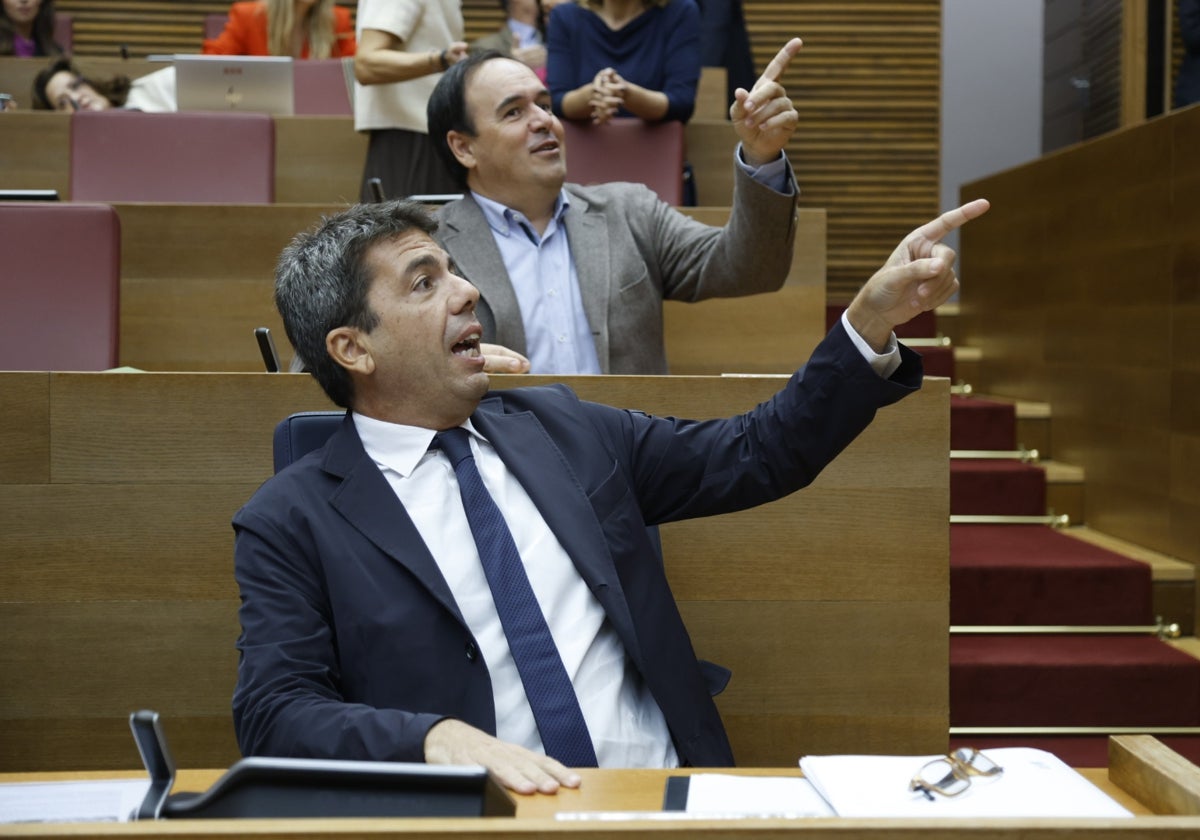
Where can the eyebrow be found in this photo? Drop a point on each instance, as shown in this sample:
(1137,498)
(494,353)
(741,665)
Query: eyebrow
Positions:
(425,261)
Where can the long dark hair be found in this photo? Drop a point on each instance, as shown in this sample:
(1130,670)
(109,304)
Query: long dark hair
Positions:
(114,89)
(43,32)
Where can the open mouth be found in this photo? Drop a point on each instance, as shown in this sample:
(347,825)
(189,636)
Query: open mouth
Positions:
(468,347)
(548,146)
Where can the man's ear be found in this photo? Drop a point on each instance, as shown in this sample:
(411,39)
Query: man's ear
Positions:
(460,146)
(350,347)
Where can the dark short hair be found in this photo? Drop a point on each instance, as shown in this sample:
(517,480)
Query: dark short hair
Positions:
(322,282)
(115,89)
(447,109)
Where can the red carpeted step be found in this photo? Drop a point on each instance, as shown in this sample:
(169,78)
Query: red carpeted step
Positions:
(1032,574)
(1041,680)
(982,424)
(1001,488)
(1075,750)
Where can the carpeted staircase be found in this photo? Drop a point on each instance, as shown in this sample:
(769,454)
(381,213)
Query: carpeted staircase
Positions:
(1050,633)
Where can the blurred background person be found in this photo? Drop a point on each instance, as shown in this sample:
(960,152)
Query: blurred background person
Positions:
(403,47)
(1187,83)
(638,58)
(27,28)
(296,28)
(522,35)
(61,87)
(724,42)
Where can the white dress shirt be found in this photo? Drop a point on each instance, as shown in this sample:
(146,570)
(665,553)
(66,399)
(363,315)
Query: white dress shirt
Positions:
(627,727)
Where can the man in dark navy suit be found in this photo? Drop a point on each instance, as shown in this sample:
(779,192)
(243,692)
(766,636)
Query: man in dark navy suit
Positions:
(372,625)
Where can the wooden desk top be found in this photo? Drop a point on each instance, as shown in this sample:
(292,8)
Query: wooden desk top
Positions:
(629,790)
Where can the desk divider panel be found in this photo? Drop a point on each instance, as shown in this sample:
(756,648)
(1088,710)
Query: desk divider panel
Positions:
(196,280)
(116,564)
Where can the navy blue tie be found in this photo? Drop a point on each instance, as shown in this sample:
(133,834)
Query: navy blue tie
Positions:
(551,696)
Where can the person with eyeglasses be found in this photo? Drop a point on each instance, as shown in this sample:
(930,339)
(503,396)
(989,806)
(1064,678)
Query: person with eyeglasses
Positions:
(62,87)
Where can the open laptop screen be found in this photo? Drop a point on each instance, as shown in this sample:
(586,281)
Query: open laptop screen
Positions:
(234,83)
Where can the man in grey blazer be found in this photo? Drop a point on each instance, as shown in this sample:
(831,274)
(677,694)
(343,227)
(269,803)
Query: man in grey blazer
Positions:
(574,277)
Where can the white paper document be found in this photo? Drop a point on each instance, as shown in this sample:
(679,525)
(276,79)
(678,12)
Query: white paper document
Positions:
(754,796)
(1034,783)
(111,800)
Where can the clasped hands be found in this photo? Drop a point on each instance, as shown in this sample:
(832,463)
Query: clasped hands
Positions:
(607,95)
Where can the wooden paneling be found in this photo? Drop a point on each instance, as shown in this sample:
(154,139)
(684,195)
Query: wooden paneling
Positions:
(1095,312)
(197,279)
(116,569)
(867,86)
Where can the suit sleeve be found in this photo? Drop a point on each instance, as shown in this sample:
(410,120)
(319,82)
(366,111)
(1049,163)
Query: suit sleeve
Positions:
(751,254)
(682,469)
(287,702)
(681,68)
(344,44)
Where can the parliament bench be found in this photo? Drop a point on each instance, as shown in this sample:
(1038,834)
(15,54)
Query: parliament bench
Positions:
(117,490)
(197,279)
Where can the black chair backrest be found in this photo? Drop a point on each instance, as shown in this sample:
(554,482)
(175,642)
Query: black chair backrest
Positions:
(297,435)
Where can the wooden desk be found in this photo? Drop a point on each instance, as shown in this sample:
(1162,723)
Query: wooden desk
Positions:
(196,280)
(318,160)
(641,790)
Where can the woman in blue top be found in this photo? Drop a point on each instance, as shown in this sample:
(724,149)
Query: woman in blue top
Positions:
(637,58)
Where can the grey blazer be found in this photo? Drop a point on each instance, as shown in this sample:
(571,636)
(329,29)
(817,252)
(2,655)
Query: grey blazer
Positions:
(632,251)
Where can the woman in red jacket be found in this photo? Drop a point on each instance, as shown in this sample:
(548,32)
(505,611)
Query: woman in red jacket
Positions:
(299,28)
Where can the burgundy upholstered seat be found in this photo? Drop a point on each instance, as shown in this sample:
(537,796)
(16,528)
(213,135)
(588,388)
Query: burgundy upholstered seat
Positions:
(628,149)
(60,286)
(198,156)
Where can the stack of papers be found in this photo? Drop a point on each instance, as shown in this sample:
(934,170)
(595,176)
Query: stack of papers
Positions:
(1034,783)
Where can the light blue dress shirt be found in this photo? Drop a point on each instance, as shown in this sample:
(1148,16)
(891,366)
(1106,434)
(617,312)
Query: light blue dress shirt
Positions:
(558,338)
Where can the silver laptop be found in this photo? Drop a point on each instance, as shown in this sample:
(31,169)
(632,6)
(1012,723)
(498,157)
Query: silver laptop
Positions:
(234,83)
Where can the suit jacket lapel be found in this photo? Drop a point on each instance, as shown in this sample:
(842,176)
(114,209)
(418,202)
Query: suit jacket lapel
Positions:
(466,236)
(528,452)
(587,233)
(368,503)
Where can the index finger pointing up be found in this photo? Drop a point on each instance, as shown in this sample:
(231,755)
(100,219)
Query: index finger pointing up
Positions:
(952,220)
(780,62)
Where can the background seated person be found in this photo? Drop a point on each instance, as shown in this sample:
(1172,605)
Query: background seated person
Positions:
(638,58)
(383,619)
(27,28)
(574,277)
(61,87)
(296,28)
(522,35)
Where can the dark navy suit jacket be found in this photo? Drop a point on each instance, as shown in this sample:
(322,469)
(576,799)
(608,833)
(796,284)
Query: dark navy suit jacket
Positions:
(352,646)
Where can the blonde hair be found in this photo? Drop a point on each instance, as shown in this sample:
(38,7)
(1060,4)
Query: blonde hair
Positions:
(281,22)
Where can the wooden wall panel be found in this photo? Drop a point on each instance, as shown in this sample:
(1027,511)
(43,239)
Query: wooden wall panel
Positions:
(867,87)
(118,592)
(1095,311)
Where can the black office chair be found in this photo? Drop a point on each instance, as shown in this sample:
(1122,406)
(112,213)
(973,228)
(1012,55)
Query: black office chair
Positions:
(297,435)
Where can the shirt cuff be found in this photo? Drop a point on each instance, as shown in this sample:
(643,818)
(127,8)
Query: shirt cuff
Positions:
(884,363)
(773,175)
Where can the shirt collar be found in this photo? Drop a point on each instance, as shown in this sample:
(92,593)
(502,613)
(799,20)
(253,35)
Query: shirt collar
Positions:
(524,33)
(505,221)
(396,446)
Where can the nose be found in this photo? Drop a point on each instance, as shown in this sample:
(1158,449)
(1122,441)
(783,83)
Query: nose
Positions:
(465,295)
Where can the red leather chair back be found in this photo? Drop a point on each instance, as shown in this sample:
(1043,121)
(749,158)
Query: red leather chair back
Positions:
(628,149)
(59,286)
(196,156)
(322,86)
